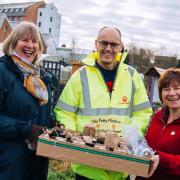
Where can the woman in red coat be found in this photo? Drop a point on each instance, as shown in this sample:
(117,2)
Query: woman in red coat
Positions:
(164,131)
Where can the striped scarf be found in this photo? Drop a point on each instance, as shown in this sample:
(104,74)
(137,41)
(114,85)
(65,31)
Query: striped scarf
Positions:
(32,82)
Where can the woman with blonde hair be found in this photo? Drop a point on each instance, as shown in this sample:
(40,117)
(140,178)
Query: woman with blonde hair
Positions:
(25,105)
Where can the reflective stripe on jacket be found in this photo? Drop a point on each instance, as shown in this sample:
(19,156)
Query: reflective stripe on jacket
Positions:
(86,100)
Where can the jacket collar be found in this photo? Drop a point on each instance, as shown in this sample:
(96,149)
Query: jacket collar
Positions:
(12,66)
(165,115)
(91,59)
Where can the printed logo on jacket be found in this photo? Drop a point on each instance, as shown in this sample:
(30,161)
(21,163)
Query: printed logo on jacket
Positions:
(124,100)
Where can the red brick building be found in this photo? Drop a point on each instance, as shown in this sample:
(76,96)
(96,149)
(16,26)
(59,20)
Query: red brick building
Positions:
(44,15)
(17,12)
(5,27)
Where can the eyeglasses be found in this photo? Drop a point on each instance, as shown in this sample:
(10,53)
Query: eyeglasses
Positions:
(113,45)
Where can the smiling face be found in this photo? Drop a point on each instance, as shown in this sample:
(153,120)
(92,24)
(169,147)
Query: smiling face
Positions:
(27,48)
(26,41)
(108,45)
(171,95)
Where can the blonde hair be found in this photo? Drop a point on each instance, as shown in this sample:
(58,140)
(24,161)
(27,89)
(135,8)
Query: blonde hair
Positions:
(23,30)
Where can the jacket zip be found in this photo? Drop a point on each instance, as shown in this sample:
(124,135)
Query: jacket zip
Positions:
(164,126)
(115,76)
(104,82)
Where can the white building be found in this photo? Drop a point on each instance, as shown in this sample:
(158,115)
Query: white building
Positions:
(49,22)
(45,16)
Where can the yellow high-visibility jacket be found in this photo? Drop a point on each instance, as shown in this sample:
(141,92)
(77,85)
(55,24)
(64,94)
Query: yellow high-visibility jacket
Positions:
(86,100)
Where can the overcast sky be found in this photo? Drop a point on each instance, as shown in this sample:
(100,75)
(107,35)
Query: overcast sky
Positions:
(147,23)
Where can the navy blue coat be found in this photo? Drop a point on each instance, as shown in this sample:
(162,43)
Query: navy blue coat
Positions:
(18,111)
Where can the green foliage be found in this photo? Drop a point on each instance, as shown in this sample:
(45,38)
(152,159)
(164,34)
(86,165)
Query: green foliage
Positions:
(61,176)
(156,106)
(59,170)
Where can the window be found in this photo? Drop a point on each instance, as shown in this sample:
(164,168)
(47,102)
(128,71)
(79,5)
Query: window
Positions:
(21,18)
(6,29)
(16,18)
(39,24)
(51,19)
(49,30)
(40,14)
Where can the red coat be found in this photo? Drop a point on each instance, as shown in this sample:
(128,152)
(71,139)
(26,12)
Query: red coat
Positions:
(165,140)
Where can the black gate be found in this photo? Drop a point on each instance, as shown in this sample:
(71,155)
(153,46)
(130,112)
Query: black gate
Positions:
(54,67)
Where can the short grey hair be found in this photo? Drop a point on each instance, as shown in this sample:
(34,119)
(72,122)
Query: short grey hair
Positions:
(105,27)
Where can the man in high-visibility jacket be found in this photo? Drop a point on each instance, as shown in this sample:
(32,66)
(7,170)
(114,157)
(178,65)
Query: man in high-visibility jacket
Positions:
(104,92)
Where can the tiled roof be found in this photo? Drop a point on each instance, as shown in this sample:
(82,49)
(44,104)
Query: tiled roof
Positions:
(16,5)
(159,70)
(15,9)
(2,17)
(154,71)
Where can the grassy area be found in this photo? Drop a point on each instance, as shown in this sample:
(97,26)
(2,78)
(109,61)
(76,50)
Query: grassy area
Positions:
(59,170)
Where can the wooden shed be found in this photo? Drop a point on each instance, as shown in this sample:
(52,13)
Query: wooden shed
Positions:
(152,76)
